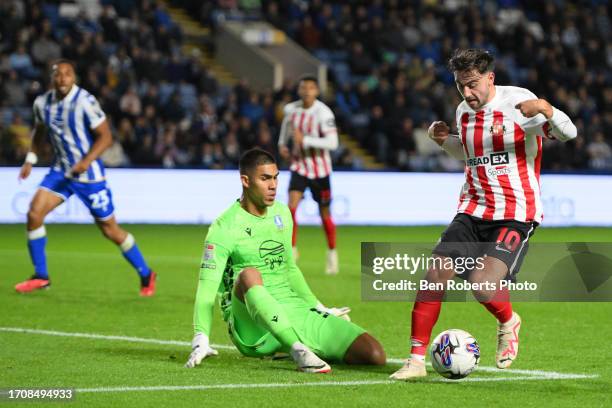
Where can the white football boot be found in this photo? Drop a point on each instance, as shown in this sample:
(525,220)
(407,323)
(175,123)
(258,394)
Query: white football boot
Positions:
(507,341)
(307,361)
(413,368)
(331,267)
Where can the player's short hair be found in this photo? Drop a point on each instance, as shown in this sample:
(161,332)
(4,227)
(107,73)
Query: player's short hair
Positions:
(57,62)
(253,158)
(471,58)
(309,77)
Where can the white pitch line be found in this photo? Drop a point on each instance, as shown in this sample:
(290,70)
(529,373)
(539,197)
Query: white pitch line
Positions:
(107,337)
(223,386)
(310,384)
(533,374)
(192,260)
(519,378)
(538,373)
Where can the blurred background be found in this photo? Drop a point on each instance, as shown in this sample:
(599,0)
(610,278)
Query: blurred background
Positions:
(191,84)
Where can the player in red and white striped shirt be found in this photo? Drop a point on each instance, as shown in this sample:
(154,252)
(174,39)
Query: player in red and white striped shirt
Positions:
(500,139)
(310,127)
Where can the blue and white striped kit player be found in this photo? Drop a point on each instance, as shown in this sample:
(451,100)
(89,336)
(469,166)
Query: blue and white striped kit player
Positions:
(76,126)
(69,122)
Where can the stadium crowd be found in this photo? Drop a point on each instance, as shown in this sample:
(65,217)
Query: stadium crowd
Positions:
(387,69)
(387,62)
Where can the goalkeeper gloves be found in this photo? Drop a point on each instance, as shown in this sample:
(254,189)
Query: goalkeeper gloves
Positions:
(341,312)
(200,349)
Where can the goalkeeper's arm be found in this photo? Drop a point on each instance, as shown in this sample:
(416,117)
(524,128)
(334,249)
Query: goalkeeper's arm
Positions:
(211,273)
(202,319)
(300,286)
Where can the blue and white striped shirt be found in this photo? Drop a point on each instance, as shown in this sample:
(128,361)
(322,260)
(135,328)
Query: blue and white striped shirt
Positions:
(70,123)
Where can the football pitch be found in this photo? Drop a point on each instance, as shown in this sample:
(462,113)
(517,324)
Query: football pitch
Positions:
(92,332)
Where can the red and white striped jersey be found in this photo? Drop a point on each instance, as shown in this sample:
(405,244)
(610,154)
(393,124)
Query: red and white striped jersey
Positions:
(318,125)
(503,152)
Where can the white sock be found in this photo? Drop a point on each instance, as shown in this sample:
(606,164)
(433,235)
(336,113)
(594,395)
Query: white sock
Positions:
(37,233)
(127,243)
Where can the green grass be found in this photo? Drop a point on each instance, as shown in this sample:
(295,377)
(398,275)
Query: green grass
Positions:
(95,291)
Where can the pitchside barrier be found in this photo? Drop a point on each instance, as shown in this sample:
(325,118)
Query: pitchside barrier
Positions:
(359,198)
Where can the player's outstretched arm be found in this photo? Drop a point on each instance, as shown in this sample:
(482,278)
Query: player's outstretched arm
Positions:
(439,132)
(202,316)
(300,286)
(561,126)
(212,267)
(298,282)
(294,274)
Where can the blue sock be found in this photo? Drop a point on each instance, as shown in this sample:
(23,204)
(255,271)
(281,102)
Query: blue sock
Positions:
(37,240)
(134,257)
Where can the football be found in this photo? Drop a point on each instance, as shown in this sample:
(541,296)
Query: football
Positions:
(454,354)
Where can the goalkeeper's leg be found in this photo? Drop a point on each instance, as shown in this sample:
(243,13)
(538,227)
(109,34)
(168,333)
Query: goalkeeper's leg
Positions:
(268,313)
(365,350)
(334,338)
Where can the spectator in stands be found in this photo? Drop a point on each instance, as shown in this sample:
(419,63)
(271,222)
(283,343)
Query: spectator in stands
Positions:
(45,49)
(18,134)
(310,36)
(385,61)
(13,91)
(600,153)
(130,104)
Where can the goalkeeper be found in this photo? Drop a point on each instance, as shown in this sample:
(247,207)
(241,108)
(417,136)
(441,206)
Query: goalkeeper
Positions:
(265,300)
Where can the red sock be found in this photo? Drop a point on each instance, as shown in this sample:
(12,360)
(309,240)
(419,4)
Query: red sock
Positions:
(330,231)
(294,233)
(424,317)
(501,310)
(500,306)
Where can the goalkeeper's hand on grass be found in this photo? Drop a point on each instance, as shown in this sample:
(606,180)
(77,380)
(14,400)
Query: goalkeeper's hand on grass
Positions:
(341,312)
(200,349)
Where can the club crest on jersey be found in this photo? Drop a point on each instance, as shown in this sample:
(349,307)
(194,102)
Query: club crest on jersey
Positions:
(497,129)
(57,125)
(209,252)
(278,221)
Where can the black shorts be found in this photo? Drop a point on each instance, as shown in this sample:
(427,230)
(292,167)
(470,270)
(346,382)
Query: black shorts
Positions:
(506,240)
(320,188)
